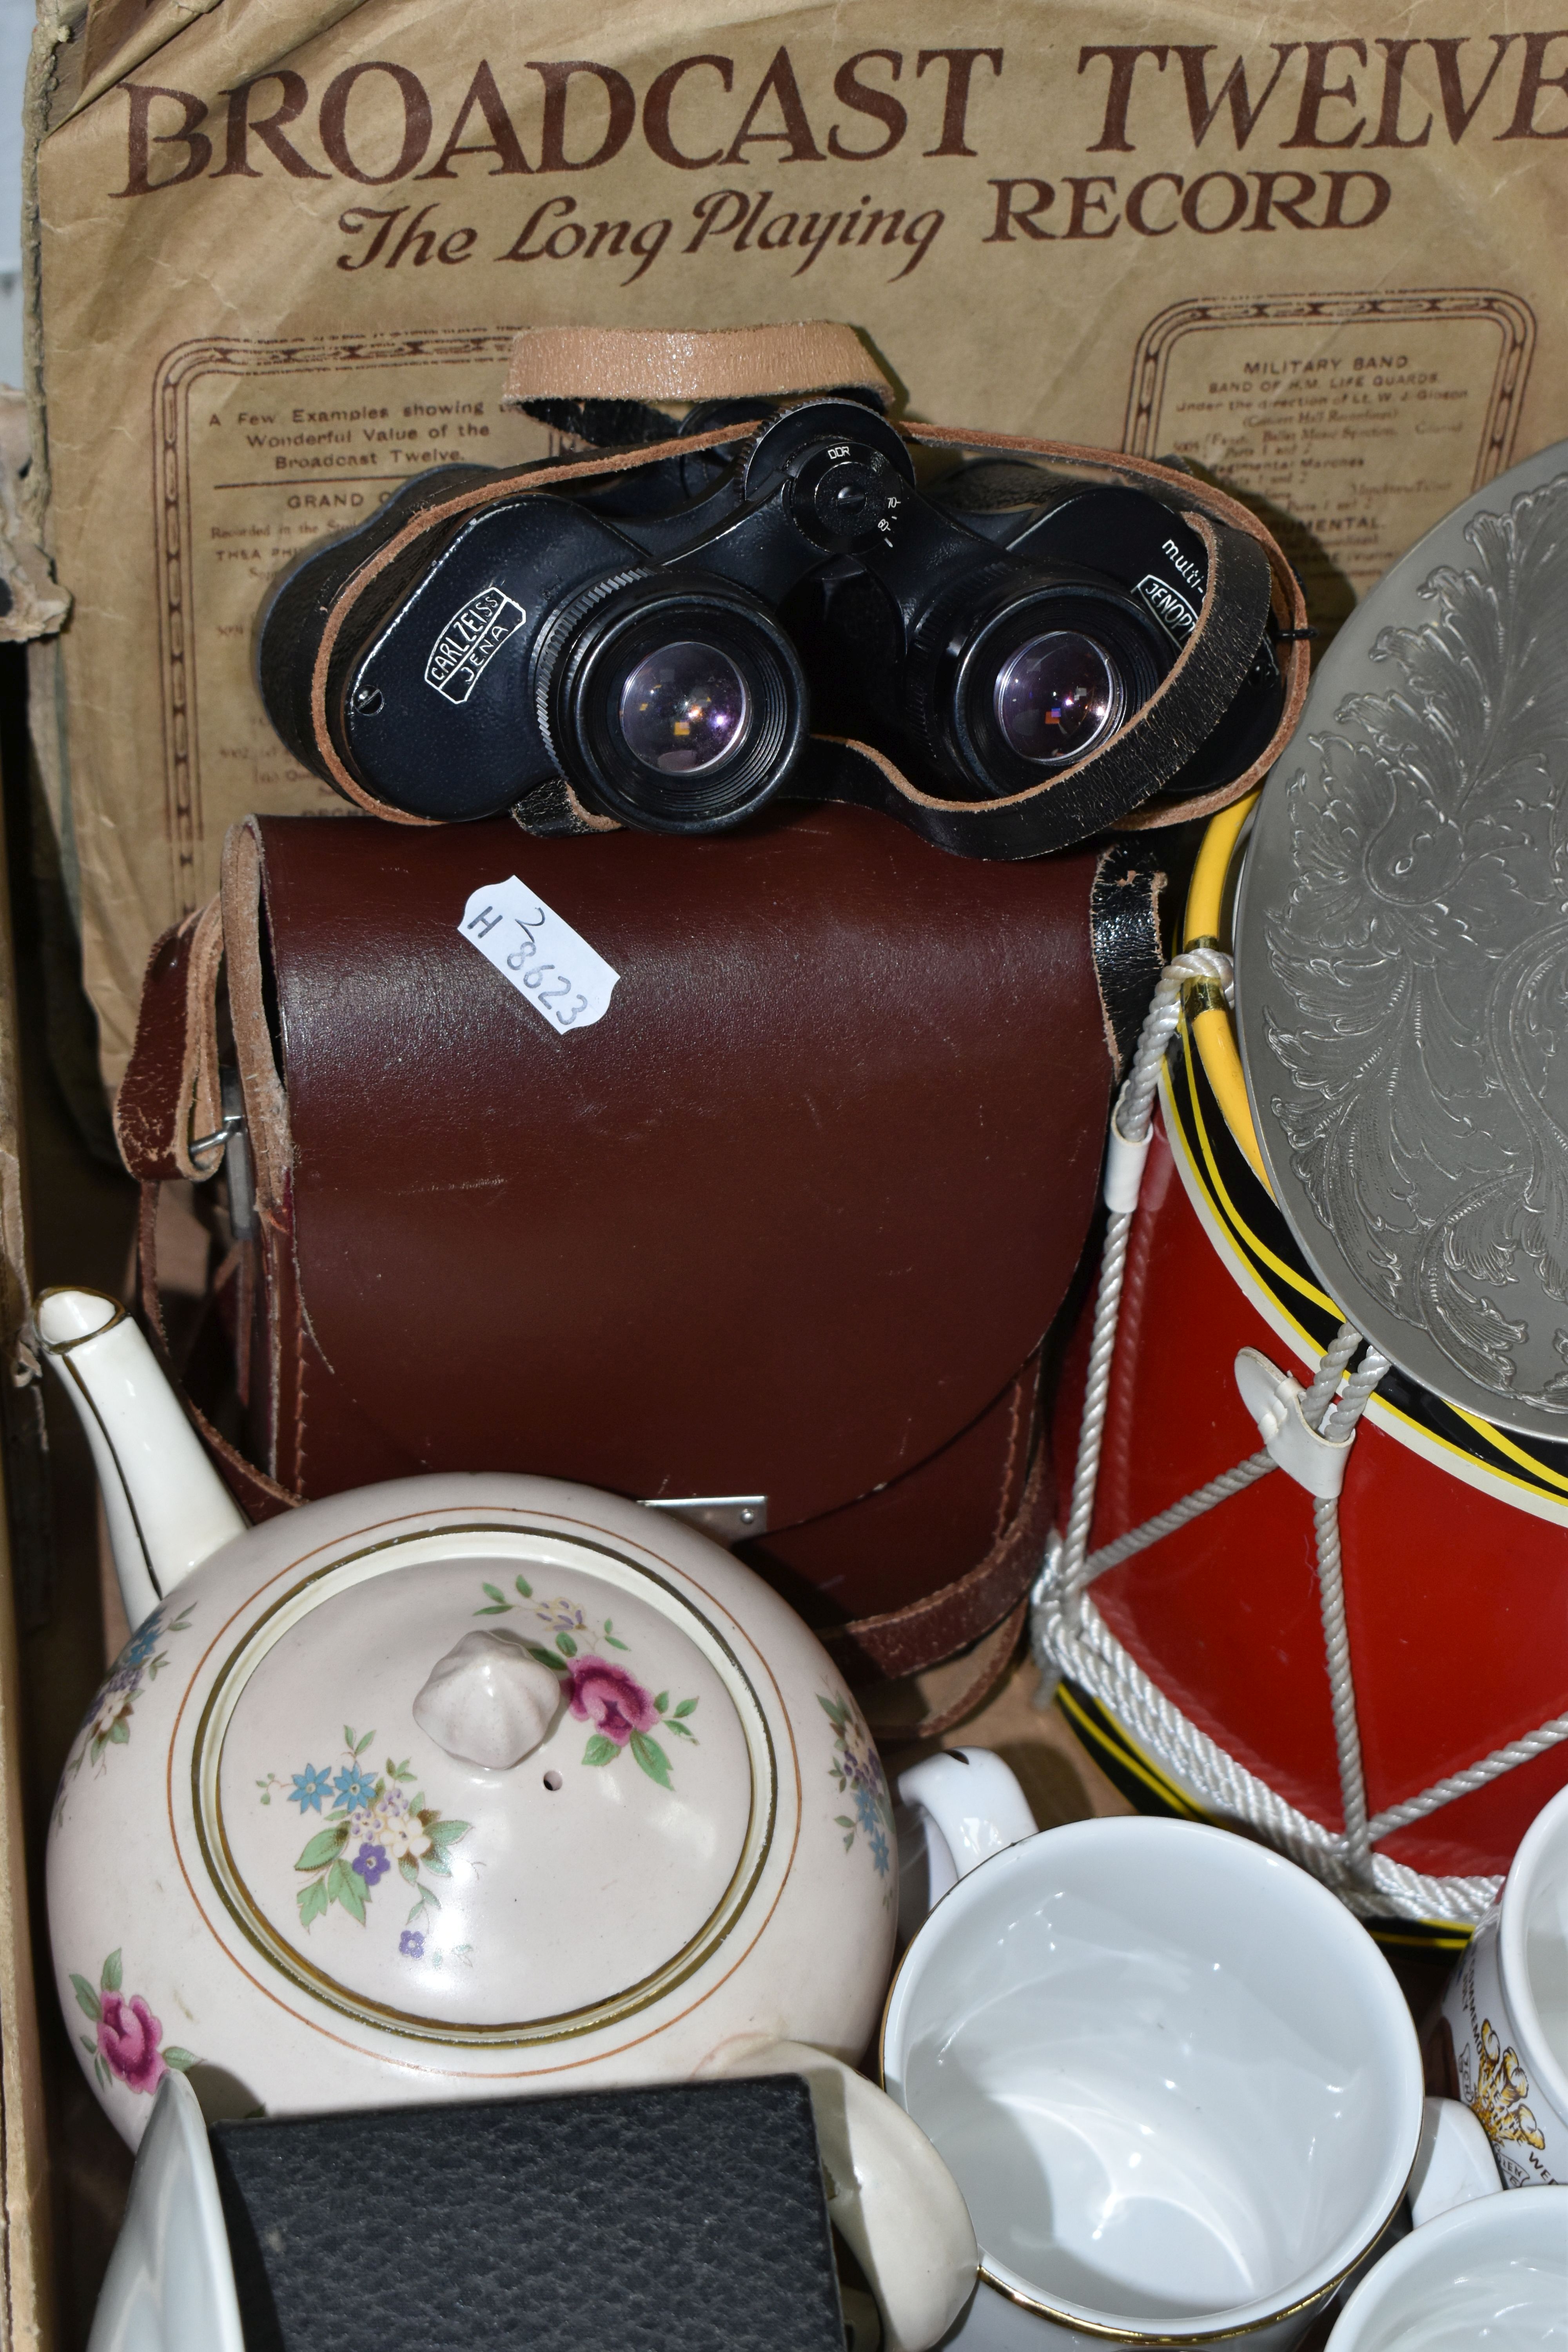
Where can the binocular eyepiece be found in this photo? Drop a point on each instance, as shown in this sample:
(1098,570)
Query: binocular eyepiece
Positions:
(673,703)
(654,646)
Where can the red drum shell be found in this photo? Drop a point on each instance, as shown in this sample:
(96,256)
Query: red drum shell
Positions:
(1455,1535)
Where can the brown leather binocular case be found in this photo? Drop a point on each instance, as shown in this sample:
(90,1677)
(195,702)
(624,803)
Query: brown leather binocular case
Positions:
(790,1224)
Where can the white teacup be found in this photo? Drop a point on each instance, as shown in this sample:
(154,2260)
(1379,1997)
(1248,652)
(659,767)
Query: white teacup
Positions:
(1175,2080)
(1493,2273)
(1507,2010)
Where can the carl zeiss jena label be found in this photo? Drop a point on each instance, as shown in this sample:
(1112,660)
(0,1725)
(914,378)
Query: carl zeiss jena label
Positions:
(470,640)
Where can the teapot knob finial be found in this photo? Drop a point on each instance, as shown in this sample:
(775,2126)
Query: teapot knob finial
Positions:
(487,1701)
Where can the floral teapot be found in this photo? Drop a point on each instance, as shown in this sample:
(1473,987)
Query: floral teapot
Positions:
(459,1786)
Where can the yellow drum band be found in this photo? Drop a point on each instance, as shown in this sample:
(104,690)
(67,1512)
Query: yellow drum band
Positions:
(1496,1460)
(1208,1016)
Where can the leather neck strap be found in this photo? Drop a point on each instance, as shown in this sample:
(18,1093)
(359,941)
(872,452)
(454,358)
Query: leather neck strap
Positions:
(1248,576)
(688,364)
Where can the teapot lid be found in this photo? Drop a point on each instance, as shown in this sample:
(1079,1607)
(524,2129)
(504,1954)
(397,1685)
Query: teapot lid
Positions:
(358,1843)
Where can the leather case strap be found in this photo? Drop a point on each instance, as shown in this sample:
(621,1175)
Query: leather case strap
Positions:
(1129,948)
(169,1094)
(904,1641)
(170,1099)
(987,1664)
(259,1496)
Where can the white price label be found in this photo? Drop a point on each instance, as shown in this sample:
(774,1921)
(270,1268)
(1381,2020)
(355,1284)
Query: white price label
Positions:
(565,980)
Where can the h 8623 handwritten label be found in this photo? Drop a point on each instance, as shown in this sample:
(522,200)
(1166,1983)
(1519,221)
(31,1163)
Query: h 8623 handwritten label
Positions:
(567,982)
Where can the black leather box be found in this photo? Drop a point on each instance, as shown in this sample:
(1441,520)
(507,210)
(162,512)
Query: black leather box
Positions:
(690,2218)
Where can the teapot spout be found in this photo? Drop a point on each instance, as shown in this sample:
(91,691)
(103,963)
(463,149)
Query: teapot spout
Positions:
(167,1508)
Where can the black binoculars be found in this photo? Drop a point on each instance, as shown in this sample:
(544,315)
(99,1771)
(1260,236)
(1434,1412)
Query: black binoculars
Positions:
(656,646)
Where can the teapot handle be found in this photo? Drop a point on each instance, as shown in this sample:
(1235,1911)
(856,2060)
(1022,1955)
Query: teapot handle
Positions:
(889,2195)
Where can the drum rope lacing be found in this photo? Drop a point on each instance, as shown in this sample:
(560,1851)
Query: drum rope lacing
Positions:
(1070,1638)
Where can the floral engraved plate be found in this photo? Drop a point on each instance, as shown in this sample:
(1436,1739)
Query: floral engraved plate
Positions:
(1529,2139)
(1402,960)
(399,1881)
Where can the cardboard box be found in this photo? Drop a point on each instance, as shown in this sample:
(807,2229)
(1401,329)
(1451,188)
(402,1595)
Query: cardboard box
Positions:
(279,250)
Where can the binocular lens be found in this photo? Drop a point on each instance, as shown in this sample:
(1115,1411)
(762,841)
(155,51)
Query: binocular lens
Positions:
(674,702)
(1056,696)
(685,708)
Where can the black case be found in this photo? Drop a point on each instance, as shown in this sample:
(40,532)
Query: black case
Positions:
(690,2218)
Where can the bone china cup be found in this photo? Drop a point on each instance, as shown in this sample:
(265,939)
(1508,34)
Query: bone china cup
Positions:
(1492,2273)
(1176,2082)
(1507,2010)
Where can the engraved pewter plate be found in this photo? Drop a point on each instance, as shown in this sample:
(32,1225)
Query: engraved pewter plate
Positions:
(1402,960)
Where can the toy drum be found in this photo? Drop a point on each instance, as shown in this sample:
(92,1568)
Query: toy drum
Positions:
(1199,1671)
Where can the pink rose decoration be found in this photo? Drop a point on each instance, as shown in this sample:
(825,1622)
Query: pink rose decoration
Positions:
(609,1698)
(128,2038)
